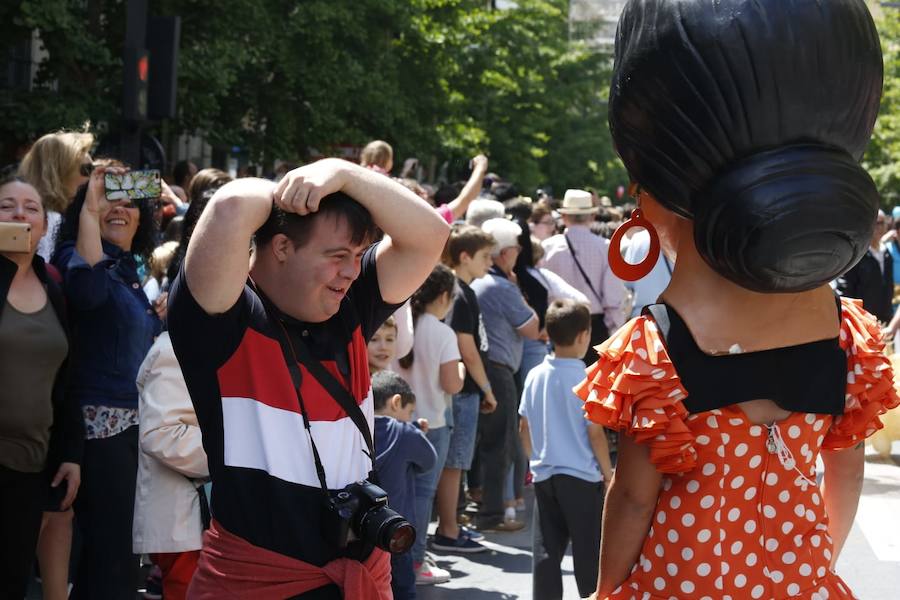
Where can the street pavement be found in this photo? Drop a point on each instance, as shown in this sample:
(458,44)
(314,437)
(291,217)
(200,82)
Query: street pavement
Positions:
(870,562)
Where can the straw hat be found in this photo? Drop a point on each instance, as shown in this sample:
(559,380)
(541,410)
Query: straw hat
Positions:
(577,202)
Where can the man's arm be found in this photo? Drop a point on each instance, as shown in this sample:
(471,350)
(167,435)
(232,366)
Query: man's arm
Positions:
(414,232)
(471,358)
(531,328)
(217,260)
(470,191)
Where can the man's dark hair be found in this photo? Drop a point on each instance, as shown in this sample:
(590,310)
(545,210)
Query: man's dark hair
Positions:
(386,384)
(565,320)
(503,190)
(298,229)
(448,192)
(519,209)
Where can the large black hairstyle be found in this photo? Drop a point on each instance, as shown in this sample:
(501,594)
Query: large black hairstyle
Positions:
(145,238)
(750,117)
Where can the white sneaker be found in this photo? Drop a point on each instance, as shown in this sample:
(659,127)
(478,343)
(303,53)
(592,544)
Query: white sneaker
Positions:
(431,574)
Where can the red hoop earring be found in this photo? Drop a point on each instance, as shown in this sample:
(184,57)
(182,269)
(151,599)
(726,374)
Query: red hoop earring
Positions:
(624,269)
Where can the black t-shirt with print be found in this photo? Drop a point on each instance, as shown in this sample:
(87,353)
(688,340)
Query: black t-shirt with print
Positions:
(466,318)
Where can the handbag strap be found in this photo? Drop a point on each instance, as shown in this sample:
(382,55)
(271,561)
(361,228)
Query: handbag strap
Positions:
(581,269)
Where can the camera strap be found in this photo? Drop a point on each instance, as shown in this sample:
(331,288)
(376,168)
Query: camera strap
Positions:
(296,354)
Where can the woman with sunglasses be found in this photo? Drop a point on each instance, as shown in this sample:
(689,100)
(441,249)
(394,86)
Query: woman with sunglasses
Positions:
(113,327)
(56,165)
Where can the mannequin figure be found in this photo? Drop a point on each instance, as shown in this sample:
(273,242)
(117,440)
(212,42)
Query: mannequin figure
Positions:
(741,123)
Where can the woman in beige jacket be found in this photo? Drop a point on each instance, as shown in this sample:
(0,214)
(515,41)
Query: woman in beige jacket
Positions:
(172,464)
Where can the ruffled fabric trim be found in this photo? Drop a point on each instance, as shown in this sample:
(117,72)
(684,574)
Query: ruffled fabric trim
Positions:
(870,381)
(634,388)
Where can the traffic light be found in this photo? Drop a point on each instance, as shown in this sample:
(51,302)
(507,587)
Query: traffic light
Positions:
(137,72)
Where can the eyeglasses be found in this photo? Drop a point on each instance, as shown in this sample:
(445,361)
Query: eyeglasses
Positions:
(86,169)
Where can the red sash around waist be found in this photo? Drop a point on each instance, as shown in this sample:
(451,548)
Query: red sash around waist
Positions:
(231,567)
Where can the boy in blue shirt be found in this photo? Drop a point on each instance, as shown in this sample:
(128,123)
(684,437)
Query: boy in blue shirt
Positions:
(401,452)
(569,457)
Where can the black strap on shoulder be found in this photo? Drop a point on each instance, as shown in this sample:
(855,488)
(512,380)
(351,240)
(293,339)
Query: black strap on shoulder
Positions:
(661,316)
(298,353)
(581,269)
(337,391)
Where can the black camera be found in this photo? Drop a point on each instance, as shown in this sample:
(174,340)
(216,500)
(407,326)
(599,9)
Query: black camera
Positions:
(360,513)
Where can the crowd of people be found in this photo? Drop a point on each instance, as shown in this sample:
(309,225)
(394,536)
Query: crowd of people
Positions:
(124,437)
(290,422)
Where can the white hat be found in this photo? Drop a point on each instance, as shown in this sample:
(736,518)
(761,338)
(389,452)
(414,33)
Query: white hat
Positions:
(504,231)
(577,202)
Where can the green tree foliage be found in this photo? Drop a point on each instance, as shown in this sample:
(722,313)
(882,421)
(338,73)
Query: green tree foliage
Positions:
(881,159)
(438,79)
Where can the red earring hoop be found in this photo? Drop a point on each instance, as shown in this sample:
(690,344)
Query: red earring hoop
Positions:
(620,267)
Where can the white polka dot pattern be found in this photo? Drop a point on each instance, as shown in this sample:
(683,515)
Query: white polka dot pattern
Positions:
(733,520)
(739,524)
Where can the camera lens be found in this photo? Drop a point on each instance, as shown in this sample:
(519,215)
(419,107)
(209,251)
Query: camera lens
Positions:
(389,530)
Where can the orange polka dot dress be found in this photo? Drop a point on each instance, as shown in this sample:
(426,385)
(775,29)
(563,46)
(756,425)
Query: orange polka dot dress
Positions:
(739,514)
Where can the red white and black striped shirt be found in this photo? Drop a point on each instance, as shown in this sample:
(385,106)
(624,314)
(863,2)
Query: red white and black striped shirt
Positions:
(265,487)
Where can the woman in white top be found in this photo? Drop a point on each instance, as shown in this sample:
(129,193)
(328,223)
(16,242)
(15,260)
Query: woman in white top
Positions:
(434,372)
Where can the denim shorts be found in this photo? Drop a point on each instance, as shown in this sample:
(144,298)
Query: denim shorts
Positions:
(465,426)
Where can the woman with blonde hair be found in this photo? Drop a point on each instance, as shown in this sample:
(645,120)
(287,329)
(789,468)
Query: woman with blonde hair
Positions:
(56,165)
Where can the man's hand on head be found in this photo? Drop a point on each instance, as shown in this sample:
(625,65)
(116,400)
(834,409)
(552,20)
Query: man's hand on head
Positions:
(301,190)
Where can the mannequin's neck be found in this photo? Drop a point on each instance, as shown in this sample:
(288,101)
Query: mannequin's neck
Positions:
(721,313)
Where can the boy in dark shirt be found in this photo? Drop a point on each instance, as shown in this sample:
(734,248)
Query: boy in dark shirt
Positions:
(401,452)
(468,253)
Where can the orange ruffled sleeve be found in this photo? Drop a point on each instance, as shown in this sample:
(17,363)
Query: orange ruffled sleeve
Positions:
(870,379)
(634,388)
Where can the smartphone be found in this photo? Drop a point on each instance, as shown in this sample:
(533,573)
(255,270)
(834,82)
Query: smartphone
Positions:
(15,237)
(133,185)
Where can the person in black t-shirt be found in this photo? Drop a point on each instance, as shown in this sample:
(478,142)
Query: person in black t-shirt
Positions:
(469,255)
(315,278)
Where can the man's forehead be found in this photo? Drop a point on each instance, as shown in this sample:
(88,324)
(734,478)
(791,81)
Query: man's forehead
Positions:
(333,232)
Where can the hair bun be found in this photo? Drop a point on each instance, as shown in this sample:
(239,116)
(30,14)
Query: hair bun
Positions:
(786,220)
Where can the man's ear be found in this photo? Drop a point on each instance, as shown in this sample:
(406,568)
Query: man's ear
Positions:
(396,402)
(281,246)
(464,258)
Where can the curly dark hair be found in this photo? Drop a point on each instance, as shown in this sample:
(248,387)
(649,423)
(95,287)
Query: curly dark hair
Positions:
(440,281)
(144,238)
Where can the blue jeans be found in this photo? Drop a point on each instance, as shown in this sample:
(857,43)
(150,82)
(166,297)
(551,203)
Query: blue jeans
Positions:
(533,354)
(464,415)
(426,486)
(403,577)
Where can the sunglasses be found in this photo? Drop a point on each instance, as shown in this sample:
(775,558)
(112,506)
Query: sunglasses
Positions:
(86,169)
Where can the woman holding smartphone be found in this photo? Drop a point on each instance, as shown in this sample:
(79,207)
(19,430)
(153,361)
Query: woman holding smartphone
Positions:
(113,327)
(40,430)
